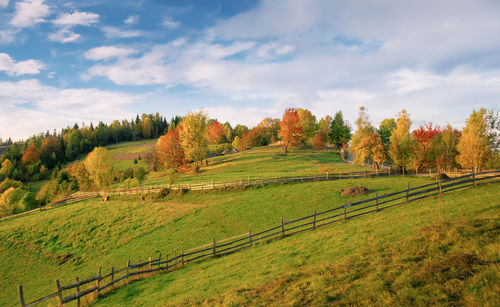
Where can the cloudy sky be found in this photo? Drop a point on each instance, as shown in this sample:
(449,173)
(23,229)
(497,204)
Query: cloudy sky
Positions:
(64,62)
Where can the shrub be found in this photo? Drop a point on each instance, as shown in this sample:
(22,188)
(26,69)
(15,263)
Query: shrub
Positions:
(9,183)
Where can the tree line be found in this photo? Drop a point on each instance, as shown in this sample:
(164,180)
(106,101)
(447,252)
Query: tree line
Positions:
(187,141)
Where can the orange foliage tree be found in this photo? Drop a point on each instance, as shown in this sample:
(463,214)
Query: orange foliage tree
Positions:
(370,148)
(290,131)
(169,150)
(215,132)
(31,155)
(319,139)
(423,138)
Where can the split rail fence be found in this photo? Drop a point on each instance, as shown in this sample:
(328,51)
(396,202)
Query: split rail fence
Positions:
(95,285)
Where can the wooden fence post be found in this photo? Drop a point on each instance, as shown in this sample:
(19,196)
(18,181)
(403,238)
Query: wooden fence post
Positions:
(128,268)
(376,199)
(59,292)
(345,209)
(473,177)
(159,261)
(182,257)
(98,281)
(77,291)
(166,262)
(282,228)
(407,191)
(214,247)
(314,220)
(112,273)
(326,175)
(21,295)
(149,265)
(250,236)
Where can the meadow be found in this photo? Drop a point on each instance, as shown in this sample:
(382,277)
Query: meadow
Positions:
(259,162)
(74,240)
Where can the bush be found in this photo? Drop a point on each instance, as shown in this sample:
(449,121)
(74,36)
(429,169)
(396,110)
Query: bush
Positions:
(9,183)
(172,176)
(10,199)
(128,173)
(28,202)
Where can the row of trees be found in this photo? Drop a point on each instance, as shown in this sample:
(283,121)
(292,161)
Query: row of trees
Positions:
(428,146)
(42,153)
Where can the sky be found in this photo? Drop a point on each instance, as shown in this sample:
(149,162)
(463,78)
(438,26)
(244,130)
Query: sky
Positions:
(240,61)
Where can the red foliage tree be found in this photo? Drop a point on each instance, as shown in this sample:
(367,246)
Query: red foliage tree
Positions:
(290,131)
(31,155)
(215,132)
(423,138)
(169,150)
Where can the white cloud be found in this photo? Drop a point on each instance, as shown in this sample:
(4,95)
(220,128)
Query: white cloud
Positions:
(4,3)
(113,32)
(29,13)
(13,68)
(64,35)
(7,36)
(170,23)
(76,18)
(273,50)
(44,107)
(131,20)
(108,52)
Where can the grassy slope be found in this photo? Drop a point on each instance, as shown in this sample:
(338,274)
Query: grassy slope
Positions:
(259,162)
(72,241)
(405,256)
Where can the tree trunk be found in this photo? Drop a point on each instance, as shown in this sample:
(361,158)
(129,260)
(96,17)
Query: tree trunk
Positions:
(286,147)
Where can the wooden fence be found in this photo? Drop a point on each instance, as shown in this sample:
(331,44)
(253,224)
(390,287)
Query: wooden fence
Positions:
(95,285)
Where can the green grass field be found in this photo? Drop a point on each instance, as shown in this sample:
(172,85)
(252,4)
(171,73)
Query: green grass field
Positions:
(73,241)
(267,162)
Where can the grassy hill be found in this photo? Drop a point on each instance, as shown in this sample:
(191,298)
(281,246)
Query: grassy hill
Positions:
(267,161)
(403,256)
(74,240)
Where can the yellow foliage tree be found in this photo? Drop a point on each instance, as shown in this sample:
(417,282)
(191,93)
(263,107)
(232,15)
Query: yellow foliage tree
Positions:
(370,148)
(98,165)
(307,121)
(192,134)
(400,149)
(363,128)
(473,146)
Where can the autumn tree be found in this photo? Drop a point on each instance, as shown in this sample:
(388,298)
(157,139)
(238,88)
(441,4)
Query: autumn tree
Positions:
(239,130)
(30,156)
(423,139)
(340,130)
(215,133)
(268,130)
(140,174)
(324,124)
(370,148)
(308,124)
(169,150)
(319,139)
(363,128)
(236,143)
(98,166)
(146,127)
(473,146)
(400,149)
(7,168)
(192,136)
(444,149)
(290,131)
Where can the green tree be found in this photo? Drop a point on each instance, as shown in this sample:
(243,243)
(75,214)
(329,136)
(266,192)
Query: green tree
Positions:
(340,130)
(140,174)
(307,121)
(385,130)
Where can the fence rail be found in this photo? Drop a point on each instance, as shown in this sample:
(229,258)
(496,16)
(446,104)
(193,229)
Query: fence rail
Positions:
(95,284)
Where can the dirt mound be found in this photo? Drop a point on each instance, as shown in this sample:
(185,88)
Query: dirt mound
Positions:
(353,191)
(442,176)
